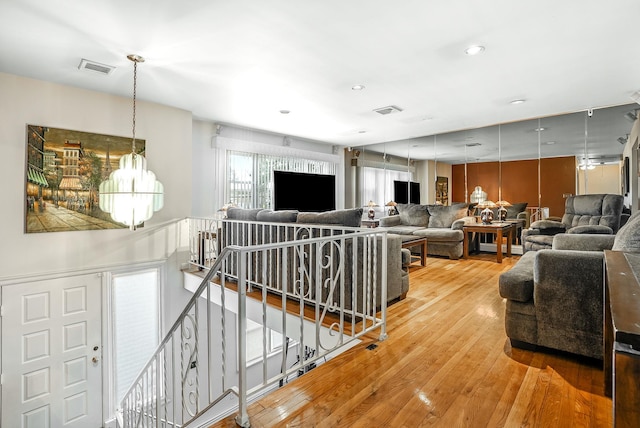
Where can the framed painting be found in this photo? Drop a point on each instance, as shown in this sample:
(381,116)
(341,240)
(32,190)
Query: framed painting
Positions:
(63,172)
(442,190)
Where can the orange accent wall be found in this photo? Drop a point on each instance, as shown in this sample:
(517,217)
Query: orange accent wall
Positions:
(519,181)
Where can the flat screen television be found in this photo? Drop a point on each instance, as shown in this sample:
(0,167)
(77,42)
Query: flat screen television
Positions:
(303,191)
(405,192)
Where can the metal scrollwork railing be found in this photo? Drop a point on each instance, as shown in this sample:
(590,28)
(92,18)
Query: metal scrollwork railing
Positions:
(313,289)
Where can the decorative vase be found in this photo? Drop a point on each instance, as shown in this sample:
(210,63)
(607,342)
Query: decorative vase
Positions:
(486,216)
(502,213)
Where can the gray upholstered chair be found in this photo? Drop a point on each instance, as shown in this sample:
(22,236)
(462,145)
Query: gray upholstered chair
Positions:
(592,214)
(554,297)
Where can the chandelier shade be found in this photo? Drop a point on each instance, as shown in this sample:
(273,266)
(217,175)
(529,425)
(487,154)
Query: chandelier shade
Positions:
(132,194)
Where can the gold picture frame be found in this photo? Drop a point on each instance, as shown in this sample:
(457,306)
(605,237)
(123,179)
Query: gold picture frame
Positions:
(63,172)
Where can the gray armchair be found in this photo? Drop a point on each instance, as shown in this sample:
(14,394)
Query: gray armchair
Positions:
(554,297)
(590,214)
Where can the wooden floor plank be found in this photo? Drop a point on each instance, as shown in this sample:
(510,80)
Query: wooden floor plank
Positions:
(447,362)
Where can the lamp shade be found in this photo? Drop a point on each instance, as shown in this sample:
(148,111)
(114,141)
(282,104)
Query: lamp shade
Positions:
(131,194)
(486,204)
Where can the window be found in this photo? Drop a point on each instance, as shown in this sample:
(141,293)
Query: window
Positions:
(136,325)
(377,184)
(250,176)
(254,341)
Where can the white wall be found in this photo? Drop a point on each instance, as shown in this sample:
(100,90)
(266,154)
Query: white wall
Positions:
(601,179)
(205,170)
(167,132)
(426,173)
(631,151)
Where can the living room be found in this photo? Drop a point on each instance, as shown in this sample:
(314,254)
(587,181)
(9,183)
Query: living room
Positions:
(186,148)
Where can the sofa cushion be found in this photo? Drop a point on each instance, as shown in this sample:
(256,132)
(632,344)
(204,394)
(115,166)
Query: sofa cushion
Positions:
(348,217)
(413,214)
(284,216)
(236,213)
(445,215)
(440,234)
(628,237)
(392,220)
(404,230)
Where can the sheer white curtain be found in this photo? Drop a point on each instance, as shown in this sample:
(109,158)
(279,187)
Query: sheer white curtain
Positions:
(377,184)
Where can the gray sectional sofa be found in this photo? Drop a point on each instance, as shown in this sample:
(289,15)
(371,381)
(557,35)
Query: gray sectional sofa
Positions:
(255,226)
(440,224)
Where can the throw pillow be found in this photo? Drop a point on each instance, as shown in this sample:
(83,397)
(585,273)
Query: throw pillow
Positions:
(413,214)
(515,209)
(243,213)
(444,216)
(347,217)
(284,216)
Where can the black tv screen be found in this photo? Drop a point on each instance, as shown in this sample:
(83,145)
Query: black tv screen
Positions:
(303,192)
(405,192)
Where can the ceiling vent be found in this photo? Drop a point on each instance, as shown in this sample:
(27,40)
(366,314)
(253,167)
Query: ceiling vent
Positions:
(85,64)
(388,110)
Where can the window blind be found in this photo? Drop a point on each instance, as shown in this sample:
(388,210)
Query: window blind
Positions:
(250,176)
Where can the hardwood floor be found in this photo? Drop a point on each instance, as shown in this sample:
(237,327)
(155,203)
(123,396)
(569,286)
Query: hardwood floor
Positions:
(447,362)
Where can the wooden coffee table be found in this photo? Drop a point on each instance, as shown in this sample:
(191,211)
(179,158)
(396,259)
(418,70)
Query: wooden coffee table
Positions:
(498,229)
(408,242)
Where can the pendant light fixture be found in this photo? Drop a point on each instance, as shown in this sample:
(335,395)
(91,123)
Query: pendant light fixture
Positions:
(132,194)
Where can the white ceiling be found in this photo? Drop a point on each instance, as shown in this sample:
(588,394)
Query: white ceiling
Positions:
(241,62)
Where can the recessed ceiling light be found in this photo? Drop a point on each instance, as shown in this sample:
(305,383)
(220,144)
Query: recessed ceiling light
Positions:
(362,131)
(540,129)
(357,87)
(474,50)
(519,101)
(549,143)
(285,111)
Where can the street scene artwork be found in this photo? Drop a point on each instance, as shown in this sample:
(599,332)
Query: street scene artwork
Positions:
(63,173)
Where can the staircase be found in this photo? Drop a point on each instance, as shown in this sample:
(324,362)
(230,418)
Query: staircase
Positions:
(202,364)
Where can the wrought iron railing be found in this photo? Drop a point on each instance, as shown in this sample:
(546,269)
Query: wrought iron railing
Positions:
(319,287)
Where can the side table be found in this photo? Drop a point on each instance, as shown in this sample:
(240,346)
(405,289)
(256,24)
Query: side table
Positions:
(411,241)
(370,223)
(497,229)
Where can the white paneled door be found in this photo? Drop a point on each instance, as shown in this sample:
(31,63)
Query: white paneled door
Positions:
(52,353)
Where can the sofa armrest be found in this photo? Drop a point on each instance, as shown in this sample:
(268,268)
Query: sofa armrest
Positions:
(391,220)
(457,225)
(591,229)
(568,290)
(548,227)
(582,242)
(524,215)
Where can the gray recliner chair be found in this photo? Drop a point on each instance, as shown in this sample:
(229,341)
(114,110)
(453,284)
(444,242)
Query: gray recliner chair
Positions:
(592,214)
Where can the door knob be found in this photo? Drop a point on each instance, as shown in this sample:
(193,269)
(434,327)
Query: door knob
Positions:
(94,360)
